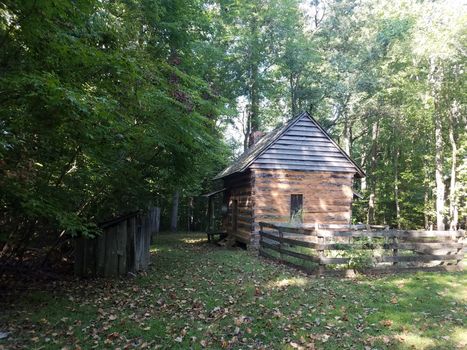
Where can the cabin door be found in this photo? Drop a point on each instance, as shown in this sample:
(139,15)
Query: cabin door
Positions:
(234,215)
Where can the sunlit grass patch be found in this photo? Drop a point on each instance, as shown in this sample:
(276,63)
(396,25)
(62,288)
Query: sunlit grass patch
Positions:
(416,341)
(194,240)
(459,337)
(285,282)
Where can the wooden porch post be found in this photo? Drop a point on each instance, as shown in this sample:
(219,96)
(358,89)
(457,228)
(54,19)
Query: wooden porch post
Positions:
(209,214)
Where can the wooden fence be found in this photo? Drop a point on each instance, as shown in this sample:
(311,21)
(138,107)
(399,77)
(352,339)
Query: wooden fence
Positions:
(332,249)
(122,247)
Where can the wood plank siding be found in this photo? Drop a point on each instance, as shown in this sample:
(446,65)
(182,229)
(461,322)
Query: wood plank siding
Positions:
(304,146)
(299,144)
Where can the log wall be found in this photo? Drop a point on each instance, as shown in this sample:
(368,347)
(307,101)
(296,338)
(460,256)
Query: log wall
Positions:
(239,188)
(264,195)
(327,196)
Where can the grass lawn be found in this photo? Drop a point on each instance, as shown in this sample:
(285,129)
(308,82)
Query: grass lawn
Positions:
(198,295)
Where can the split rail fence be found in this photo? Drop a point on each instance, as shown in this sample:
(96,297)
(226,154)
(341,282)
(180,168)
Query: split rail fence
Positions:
(334,249)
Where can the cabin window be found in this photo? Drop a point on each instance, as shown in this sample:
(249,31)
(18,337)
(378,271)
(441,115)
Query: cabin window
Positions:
(296,208)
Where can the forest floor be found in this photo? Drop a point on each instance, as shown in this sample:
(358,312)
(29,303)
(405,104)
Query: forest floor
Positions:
(197,295)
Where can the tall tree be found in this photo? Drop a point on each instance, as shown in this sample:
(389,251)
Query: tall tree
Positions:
(103,109)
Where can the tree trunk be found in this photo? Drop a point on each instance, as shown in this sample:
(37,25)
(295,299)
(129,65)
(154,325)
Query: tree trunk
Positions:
(347,135)
(254,98)
(174,217)
(453,210)
(440,188)
(396,188)
(363,184)
(396,152)
(190,220)
(435,80)
(363,181)
(252,122)
(246,129)
(254,76)
(425,207)
(426,197)
(372,179)
(293,83)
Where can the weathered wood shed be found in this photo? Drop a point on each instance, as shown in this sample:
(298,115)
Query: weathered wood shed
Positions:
(294,173)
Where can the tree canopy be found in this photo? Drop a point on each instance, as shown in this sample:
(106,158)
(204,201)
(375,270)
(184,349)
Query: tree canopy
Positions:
(111,106)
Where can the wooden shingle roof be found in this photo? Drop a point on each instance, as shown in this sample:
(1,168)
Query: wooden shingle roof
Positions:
(299,144)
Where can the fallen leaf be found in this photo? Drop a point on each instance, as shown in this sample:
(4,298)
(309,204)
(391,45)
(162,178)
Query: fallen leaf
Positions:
(386,323)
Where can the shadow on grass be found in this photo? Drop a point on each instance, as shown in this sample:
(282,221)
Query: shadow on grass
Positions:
(409,311)
(196,293)
(424,310)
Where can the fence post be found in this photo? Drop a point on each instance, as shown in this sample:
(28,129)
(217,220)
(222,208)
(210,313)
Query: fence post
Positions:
(260,235)
(281,235)
(395,251)
(460,239)
(395,242)
(321,256)
(131,244)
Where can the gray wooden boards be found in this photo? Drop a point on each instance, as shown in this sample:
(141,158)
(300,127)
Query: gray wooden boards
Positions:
(122,247)
(300,144)
(390,250)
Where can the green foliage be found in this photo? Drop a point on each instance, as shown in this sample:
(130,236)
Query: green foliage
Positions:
(110,106)
(360,253)
(297,217)
(363,70)
(104,111)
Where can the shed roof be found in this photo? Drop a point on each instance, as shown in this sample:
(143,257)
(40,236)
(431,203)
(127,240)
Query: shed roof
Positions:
(210,194)
(300,144)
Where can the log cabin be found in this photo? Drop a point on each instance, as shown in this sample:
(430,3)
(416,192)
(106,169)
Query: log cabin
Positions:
(294,174)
